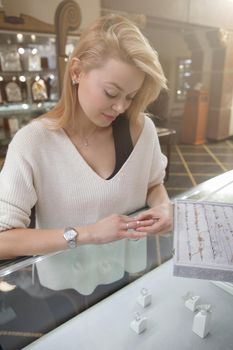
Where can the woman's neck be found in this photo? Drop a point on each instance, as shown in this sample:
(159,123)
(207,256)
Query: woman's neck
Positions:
(82,131)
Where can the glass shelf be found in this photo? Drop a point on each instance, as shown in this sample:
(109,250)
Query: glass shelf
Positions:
(7,110)
(20,114)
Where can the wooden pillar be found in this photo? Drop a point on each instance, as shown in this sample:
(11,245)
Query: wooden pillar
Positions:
(67,18)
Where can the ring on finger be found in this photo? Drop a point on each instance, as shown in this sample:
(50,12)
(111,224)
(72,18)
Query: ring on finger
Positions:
(138,223)
(127,226)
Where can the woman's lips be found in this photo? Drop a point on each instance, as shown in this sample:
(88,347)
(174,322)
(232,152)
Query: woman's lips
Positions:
(109,117)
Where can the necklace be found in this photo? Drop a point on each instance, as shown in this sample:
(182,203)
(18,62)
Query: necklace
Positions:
(84,141)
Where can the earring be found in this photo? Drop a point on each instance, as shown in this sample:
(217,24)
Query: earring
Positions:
(74,82)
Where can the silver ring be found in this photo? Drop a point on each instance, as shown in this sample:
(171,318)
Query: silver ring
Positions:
(137,316)
(144,291)
(127,226)
(138,223)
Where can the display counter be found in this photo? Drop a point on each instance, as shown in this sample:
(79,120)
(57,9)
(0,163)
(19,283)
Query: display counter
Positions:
(169,323)
(33,302)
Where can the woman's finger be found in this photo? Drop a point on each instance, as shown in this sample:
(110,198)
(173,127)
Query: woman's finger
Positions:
(135,224)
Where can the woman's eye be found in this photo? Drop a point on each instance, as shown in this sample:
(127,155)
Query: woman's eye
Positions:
(110,95)
(130,98)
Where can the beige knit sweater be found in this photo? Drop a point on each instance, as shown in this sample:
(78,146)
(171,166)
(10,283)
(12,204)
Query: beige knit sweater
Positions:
(44,168)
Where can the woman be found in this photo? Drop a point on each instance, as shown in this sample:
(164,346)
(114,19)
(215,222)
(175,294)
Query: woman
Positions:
(95,157)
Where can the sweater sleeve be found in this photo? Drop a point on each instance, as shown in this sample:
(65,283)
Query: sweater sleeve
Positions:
(17,193)
(158,162)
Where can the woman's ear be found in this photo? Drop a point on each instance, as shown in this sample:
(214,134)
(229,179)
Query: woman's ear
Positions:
(75,70)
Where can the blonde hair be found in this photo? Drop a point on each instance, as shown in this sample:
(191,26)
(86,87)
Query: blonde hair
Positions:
(111,36)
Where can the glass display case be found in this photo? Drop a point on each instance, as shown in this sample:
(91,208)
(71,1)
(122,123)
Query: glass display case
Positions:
(28,79)
(38,294)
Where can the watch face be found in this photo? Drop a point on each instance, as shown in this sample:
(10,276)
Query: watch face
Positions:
(70,236)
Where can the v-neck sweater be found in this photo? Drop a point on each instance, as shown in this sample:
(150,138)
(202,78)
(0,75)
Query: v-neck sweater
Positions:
(43,168)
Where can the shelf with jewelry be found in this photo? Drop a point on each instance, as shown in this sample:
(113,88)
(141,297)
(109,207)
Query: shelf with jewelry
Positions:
(28,80)
(28,72)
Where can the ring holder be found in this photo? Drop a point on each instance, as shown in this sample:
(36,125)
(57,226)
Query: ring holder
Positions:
(191,301)
(139,324)
(202,321)
(145,297)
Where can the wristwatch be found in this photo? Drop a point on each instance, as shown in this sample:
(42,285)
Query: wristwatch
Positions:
(71,236)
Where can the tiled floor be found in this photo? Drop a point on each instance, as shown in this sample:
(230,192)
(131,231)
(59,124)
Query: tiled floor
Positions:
(193,164)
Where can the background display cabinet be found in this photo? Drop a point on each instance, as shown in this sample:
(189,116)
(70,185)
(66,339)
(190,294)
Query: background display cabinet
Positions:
(28,79)
(29,72)
(28,75)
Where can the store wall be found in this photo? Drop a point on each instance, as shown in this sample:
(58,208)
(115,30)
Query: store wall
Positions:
(45,9)
(217,13)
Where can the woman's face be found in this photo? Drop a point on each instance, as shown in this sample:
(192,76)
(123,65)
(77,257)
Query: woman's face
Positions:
(108,91)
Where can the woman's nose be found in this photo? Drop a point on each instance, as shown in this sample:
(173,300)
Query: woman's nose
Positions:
(120,106)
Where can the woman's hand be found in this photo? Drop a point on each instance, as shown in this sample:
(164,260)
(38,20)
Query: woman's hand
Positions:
(115,227)
(160,216)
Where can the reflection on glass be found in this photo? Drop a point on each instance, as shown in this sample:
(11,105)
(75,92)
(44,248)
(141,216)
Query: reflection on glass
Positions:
(106,264)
